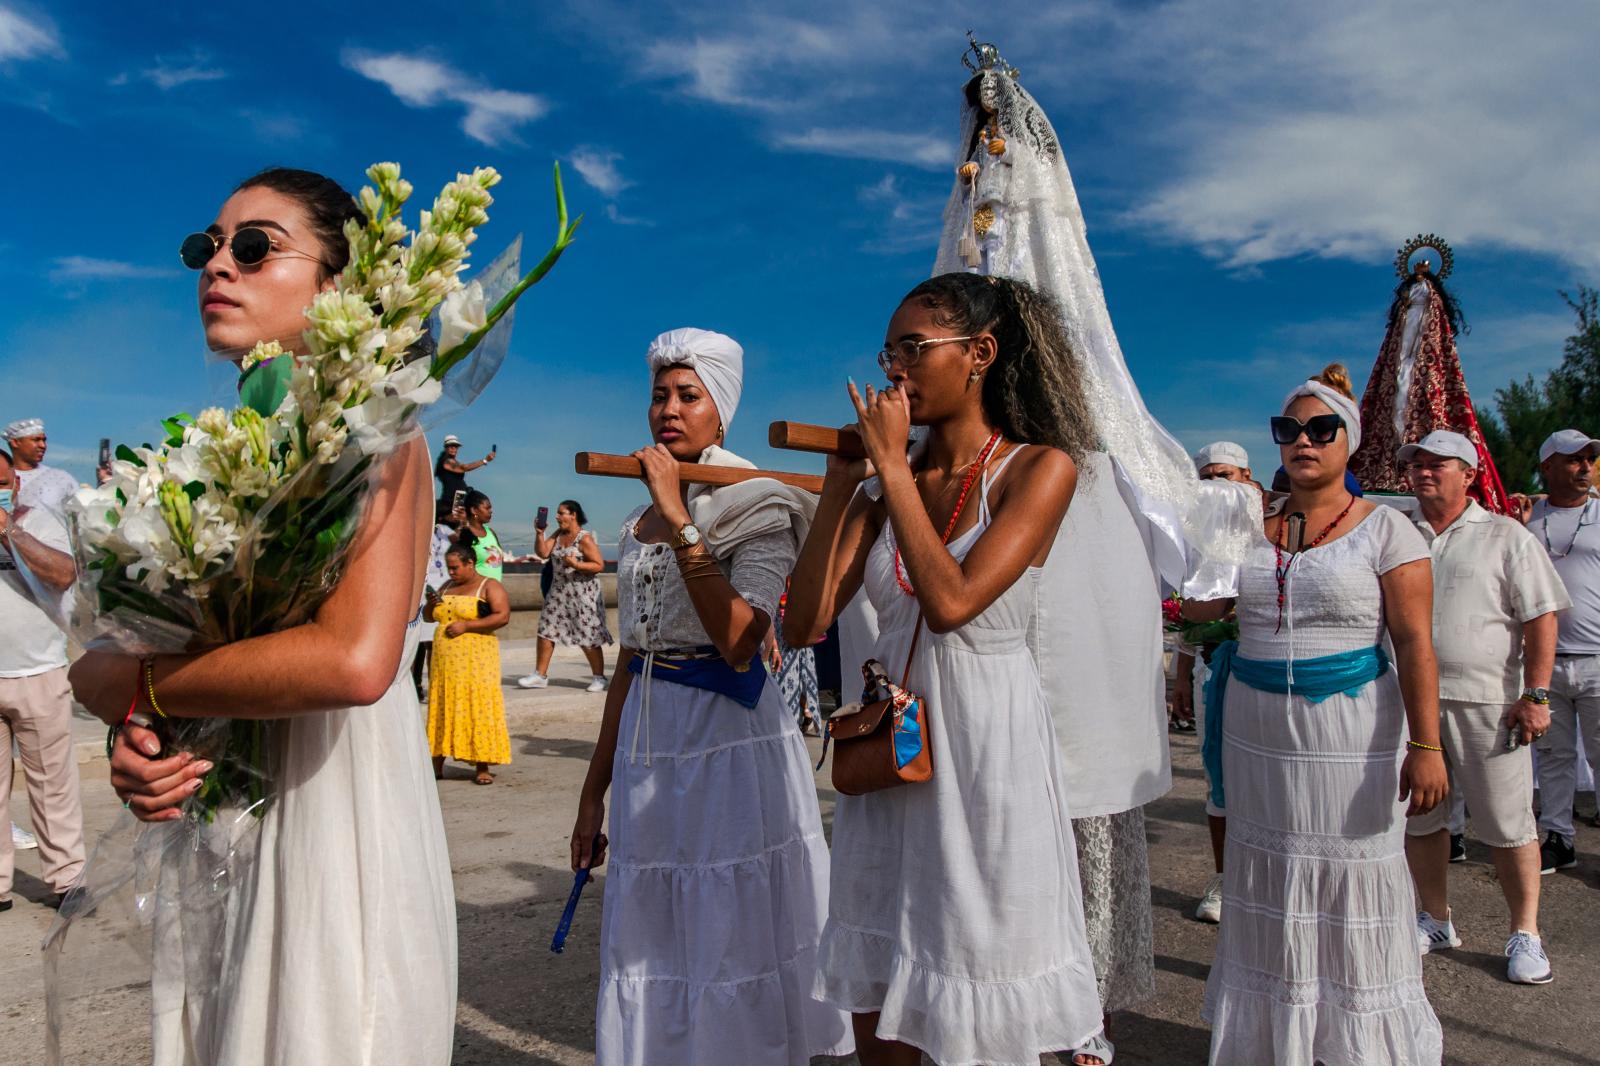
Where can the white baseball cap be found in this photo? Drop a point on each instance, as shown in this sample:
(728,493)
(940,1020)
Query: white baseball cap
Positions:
(452,439)
(1222,451)
(1444,443)
(1567,442)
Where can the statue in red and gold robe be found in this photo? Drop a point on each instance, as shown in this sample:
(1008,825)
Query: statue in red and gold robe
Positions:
(1417,385)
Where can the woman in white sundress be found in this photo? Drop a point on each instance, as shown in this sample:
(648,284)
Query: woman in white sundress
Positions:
(955,924)
(342,950)
(718,879)
(1306,720)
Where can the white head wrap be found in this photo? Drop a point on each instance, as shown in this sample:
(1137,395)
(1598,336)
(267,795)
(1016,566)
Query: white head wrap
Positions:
(715,357)
(1337,402)
(25,427)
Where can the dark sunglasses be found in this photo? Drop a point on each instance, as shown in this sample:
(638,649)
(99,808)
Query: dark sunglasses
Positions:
(1319,429)
(250,245)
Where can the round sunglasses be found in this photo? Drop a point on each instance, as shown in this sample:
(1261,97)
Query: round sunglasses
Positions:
(1319,429)
(250,245)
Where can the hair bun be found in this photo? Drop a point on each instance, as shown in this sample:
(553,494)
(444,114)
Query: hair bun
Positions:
(1336,377)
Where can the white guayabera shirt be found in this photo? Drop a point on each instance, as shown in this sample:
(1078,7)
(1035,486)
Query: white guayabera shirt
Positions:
(1490,577)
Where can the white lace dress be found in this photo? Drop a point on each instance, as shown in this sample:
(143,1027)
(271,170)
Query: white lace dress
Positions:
(1317,959)
(717,883)
(954,908)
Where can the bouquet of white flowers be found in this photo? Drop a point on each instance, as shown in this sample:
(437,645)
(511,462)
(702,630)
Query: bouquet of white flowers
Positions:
(237,524)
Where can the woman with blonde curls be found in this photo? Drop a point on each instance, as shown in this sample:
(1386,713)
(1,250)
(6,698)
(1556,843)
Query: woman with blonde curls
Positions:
(955,922)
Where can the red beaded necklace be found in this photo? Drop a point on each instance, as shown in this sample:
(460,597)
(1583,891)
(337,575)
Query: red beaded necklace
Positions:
(1281,570)
(961,501)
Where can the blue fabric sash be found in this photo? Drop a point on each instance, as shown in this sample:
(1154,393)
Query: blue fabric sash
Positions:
(712,675)
(1314,680)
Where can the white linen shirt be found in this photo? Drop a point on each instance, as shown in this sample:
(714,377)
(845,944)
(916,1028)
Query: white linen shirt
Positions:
(1490,576)
(31,643)
(48,487)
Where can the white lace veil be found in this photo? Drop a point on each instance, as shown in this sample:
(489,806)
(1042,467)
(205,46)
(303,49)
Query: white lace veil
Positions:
(1029,227)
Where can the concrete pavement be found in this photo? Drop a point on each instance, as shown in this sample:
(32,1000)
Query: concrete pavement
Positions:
(522,1006)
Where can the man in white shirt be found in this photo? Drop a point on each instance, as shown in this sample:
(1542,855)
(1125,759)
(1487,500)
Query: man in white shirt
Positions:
(35,699)
(1495,598)
(1567,526)
(37,485)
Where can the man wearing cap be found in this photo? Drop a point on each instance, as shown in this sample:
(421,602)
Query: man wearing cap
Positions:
(37,485)
(1495,598)
(1227,461)
(1567,526)
(1223,459)
(451,472)
(35,699)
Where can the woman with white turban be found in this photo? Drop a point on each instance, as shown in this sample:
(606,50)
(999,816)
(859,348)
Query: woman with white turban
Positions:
(718,880)
(1317,957)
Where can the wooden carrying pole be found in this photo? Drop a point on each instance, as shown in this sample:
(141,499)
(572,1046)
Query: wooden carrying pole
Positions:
(603,465)
(824,440)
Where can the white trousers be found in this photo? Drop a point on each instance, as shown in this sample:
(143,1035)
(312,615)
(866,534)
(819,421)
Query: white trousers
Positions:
(1574,714)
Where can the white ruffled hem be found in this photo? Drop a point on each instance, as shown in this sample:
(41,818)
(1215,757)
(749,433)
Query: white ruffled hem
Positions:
(764,1019)
(1258,1017)
(957,1020)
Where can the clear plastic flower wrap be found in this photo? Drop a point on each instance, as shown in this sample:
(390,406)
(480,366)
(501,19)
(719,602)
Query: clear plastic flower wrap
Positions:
(239,524)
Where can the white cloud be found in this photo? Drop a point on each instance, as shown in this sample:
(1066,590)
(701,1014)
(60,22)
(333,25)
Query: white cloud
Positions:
(598,167)
(1253,134)
(1338,130)
(492,115)
(909,223)
(914,149)
(25,38)
(615,215)
(82,268)
(167,76)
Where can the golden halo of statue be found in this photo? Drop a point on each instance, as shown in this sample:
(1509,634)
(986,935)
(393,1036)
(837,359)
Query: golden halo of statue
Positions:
(1447,259)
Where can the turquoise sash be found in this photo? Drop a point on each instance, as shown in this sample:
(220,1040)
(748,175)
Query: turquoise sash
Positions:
(1314,680)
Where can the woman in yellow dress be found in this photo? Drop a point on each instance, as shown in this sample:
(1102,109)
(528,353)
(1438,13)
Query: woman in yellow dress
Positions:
(466,711)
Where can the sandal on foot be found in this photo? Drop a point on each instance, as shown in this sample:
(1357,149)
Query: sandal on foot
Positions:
(1097,1047)
(484,778)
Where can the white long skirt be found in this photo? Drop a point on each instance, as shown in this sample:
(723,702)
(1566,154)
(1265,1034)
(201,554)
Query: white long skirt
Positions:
(716,889)
(1317,959)
(340,948)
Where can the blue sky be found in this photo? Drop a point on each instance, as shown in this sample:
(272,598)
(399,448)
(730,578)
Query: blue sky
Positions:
(778,173)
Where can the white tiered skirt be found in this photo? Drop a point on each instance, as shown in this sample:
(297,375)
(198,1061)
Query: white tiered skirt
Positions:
(716,889)
(1317,959)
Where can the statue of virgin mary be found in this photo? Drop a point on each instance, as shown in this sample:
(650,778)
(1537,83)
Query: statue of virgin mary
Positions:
(1417,385)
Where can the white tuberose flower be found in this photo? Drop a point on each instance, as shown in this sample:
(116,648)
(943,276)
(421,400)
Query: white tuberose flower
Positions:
(463,313)
(377,423)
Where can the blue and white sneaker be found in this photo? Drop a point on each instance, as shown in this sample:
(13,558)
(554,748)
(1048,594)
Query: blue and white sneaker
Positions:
(1434,935)
(21,839)
(1528,964)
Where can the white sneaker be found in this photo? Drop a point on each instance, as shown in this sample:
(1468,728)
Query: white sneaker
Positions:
(596,684)
(21,839)
(1528,964)
(1434,935)
(533,680)
(1210,908)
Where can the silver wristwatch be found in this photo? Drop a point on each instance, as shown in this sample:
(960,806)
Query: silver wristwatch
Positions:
(1540,696)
